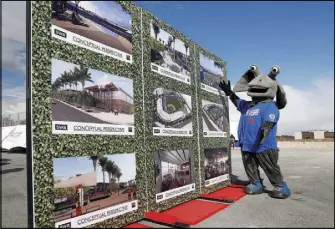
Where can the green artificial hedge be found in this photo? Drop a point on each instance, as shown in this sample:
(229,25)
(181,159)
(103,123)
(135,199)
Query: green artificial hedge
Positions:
(47,146)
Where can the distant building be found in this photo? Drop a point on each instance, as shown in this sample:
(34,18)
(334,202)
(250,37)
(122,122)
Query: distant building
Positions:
(317,135)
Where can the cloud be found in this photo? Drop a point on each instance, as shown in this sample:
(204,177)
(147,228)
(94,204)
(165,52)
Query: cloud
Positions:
(13,106)
(14,36)
(13,100)
(208,63)
(109,10)
(179,7)
(310,108)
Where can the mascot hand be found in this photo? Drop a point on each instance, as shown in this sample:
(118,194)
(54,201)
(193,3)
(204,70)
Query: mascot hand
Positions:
(226,87)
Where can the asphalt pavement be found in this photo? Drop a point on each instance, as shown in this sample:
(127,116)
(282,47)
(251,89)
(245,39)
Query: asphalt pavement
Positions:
(14,190)
(309,174)
(63,112)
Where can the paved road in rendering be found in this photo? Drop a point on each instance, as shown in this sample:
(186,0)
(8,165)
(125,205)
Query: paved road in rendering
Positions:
(63,112)
(208,122)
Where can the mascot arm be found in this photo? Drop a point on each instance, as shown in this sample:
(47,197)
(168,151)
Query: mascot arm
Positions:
(234,99)
(266,127)
(281,100)
(270,118)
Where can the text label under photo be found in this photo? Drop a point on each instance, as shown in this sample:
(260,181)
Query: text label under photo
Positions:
(89,44)
(171,74)
(174,192)
(62,127)
(216,180)
(98,216)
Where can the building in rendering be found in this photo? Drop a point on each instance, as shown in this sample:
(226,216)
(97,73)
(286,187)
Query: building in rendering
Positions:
(112,98)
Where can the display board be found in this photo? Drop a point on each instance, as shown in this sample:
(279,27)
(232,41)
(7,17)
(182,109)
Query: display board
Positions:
(125,115)
(87,114)
(170,115)
(214,146)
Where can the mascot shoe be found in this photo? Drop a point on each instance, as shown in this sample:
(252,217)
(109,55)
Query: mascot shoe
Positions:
(281,191)
(254,188)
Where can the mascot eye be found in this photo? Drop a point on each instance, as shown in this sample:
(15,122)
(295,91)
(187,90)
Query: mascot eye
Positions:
(275,69)
(253,68)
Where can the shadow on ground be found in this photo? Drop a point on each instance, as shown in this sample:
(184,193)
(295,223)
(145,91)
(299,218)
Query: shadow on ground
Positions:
(11,170)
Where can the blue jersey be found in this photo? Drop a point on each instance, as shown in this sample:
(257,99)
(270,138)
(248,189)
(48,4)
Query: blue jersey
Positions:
(251,120)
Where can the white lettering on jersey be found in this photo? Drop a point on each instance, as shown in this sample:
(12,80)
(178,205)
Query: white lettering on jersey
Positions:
(253,112)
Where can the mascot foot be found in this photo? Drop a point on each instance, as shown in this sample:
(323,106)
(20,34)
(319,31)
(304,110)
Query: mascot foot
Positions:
(254,188)
(281,191)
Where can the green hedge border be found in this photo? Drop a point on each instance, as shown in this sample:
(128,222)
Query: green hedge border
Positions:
(47,146)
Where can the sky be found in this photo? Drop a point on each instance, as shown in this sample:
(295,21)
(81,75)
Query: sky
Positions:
(98,77)
(109,10)
(163,35)
(297,36)
(208,64)
(64,167)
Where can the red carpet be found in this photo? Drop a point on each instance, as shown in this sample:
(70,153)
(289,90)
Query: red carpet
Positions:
(137,225)
(193,212)
(160,217)
(230,193)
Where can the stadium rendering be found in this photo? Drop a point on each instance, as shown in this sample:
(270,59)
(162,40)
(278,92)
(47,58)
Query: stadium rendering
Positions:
(172,109)
(212,116)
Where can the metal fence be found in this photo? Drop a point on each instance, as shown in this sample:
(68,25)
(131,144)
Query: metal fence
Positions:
(13,119)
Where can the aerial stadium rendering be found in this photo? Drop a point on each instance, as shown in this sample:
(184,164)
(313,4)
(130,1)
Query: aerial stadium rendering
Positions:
(172,110)
(96,21)
(212,116)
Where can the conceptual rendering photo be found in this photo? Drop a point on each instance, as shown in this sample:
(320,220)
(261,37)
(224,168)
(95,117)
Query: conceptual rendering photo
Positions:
(106,22)
(83,95)
(216,163)
(212,116)
(210,72)
(172,109)
(168,52)
(86,184)
(173,169)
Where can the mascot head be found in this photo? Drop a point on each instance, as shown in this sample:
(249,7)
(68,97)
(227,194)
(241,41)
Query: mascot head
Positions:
(261,86)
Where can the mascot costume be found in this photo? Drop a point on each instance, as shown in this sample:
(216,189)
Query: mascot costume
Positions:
(257,128)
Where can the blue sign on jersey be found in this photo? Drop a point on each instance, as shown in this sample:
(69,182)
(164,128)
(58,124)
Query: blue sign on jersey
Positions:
(251,120)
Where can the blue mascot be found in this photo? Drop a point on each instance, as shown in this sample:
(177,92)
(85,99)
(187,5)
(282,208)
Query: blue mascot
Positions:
(257,128)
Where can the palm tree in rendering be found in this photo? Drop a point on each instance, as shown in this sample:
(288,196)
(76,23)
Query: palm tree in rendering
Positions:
(84,76)
(103,163)
(156,29)
(94,160)
(169,43)
(110,168)
(118,176)
(186,48)
(216,64)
